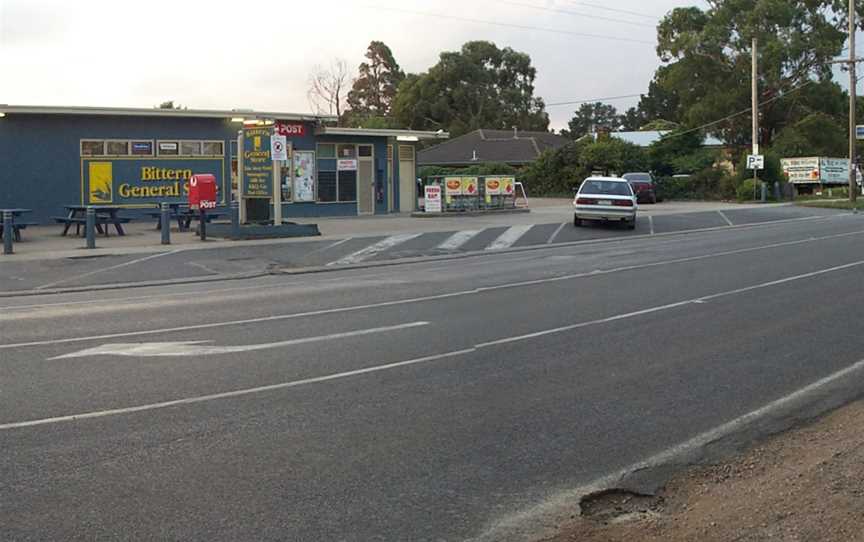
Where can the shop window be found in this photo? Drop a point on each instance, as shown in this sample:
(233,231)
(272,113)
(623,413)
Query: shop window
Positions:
(214,148)
(168,148)
(92,147)
(364,151)
(347,186)
(346,151)
(190,148)
(326,150)
(406,152)
(142,148)
(327,186)
(117,148)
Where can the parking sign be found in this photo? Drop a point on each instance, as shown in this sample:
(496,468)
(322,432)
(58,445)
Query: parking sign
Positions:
(755,161)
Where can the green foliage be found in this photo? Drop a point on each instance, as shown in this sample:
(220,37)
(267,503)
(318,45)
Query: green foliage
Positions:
(772,173)
(612,155)
(593,117)
(660,125)
(483,168)
(817,134)
(480,86)
(707,56)
(677,150)
(375,88)
(707,184)
(748,190)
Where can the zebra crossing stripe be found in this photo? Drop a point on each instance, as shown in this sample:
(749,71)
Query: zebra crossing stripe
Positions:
(376,248)
(458,239)
(510,236)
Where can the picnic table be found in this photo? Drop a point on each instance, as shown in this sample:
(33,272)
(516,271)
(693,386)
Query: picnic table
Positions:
(184,216)
(105,216)
(17,225)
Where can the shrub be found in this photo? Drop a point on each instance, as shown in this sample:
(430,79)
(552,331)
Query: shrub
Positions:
(746,190)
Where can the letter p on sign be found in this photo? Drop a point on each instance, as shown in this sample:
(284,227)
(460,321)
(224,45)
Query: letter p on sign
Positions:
(755,161)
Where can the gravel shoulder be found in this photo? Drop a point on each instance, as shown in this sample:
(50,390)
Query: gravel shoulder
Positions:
(805,484)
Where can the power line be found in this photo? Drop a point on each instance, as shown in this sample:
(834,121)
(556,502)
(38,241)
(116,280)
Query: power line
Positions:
(575,13)
(742,112)
(627,12)
(606,99)
(510,25)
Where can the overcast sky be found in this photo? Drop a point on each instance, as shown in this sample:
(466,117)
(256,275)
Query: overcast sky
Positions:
(258,55)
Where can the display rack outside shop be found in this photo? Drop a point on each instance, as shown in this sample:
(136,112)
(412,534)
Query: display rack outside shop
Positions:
(475,192)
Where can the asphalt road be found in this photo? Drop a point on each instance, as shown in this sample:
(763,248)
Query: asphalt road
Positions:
(427,401)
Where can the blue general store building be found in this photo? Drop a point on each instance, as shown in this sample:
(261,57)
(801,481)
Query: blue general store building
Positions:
(138,158)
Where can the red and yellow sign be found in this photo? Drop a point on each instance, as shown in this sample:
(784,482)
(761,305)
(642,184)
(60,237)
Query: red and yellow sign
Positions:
(493,186)
(508,186)
(453,186)
(469,186)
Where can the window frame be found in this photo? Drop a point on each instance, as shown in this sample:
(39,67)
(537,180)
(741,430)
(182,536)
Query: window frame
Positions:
(81,147)
(212,141)
(132,143)
(159,143)
(109,141)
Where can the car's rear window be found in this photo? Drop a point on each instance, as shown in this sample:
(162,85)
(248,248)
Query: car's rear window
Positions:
(638,177)
(611,188)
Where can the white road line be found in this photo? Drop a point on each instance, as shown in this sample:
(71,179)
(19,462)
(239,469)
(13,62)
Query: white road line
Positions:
(376,248)
(695,300)
(328,247)
(724,217)
(563,502)
(458,293)
(295,383)
(228,394)
(555,234)
(200,348)
(104,269)
(458,239)
(651,224)
(510,236)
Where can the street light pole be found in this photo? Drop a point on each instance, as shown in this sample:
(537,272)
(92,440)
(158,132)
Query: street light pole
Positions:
(754,82)
(853,81)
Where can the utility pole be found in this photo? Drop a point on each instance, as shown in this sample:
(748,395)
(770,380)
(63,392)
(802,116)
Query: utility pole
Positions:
(754,81)
(853,81)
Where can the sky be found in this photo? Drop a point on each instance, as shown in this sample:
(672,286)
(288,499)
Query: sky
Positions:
(259,55)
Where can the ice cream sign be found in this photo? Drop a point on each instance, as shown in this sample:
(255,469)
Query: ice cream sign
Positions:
(507,185)
(469,186)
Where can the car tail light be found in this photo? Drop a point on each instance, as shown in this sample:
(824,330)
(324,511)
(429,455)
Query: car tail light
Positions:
(623,203)
(586,201)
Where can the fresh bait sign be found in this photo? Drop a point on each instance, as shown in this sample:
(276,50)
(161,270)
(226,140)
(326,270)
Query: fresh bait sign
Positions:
(144,181)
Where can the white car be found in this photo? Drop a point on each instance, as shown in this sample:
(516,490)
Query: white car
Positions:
(609,199)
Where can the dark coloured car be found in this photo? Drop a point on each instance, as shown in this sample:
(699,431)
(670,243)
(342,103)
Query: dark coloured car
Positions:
(643,187)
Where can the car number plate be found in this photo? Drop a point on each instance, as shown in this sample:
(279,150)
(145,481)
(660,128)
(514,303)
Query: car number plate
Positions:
(604,202)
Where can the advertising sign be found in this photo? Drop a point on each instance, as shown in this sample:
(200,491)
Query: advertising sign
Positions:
(291,130)
(834,170)
(508,185)
(279,148)
(801,170)
(144,181)
(469,186)
(433,198)
(493,186)
(453,186)
(304,176)
(346,164)
(257,164)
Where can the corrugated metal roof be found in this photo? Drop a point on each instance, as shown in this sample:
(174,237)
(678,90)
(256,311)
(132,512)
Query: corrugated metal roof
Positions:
(157,112)
(646,139)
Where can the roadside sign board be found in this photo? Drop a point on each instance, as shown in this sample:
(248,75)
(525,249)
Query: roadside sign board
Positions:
(257,164)
(432,198)
(859,131)
(755,161)
(453,186)
(344,164)
(279,148)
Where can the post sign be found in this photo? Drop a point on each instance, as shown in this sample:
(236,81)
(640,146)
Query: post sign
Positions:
(432,199)
(755,161)
(291,130)
(279,148)
(257,163)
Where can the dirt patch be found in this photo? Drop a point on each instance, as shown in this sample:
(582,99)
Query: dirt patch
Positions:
(803,485)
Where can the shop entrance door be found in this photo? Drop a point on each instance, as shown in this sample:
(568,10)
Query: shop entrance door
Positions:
(365,181)
(407,179)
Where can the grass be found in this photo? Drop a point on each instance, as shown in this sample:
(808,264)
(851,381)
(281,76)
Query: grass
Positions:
(834,204)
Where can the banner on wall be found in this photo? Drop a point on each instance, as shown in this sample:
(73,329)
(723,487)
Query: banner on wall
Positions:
(304,176)
(145,181)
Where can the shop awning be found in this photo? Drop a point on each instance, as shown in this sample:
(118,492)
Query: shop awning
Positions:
(404,135)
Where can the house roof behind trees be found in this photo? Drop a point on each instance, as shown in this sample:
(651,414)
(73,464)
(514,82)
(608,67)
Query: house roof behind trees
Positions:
(507,146)
(647,138)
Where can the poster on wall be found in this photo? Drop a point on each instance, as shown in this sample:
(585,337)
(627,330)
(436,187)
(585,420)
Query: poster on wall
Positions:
(304,176)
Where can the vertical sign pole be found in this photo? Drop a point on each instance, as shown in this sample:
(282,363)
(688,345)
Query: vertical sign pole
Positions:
(90,227)
(853,82)
(240,176)
(8,232)
(755,99)
(277,193)
(165,223)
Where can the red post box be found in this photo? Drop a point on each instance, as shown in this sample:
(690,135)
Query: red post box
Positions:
(202,191)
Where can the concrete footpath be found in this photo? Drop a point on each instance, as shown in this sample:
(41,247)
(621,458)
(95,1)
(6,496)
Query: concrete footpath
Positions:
(47,261)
